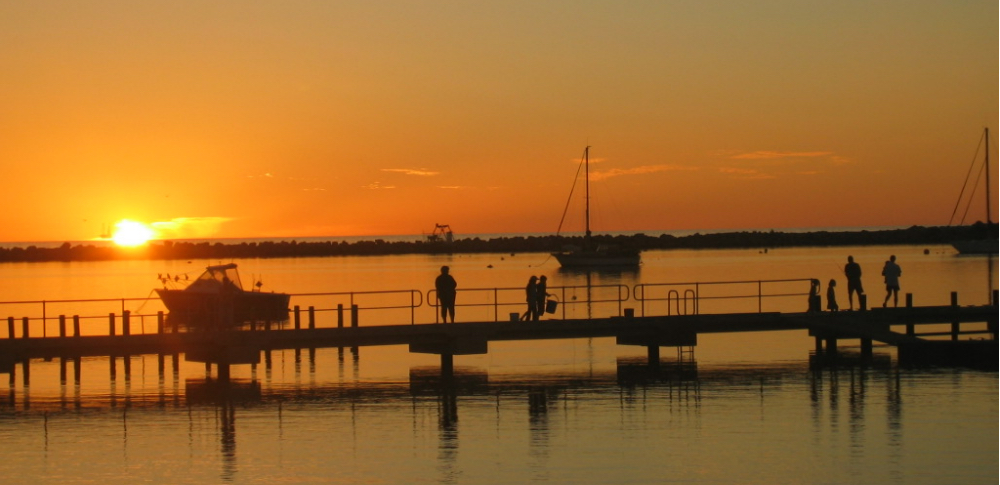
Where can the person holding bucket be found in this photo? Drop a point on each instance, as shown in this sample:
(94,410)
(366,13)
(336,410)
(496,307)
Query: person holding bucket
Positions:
(531,297)
(540,296)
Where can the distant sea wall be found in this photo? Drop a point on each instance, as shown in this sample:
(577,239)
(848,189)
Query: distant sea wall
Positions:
(163,250)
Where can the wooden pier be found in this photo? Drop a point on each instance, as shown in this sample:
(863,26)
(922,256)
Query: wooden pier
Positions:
(892,326)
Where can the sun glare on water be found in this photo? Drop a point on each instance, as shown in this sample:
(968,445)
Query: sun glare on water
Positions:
(132,233)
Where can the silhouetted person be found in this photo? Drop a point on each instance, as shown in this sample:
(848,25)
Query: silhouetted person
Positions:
(540,295)
(892,272)
(531,297)
(853,272)
(831,297)
(445,285)
(814,298)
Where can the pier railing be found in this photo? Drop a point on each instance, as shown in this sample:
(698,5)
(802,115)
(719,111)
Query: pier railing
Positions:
(347,306)
(126,316)
(722,297)
(133,316)
(503,303)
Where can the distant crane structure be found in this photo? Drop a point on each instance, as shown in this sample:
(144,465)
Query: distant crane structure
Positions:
(442,234)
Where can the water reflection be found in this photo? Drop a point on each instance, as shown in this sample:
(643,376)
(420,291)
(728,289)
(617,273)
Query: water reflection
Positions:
(841,401)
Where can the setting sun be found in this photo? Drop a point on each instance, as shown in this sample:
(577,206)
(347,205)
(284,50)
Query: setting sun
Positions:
(132,233)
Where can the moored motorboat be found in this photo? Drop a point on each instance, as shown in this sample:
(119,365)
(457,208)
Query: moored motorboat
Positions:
(217,297)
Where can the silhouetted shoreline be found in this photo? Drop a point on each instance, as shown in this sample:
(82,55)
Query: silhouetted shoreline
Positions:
(165,250)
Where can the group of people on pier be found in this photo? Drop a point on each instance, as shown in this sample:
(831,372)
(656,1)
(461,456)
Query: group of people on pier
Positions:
(852,271)
(536,295)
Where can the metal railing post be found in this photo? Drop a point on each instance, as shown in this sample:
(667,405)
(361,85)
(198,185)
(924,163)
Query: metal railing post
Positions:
(760,297)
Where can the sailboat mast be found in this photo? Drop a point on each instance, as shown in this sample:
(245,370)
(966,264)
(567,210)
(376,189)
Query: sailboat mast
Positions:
(586,178)
(986,133)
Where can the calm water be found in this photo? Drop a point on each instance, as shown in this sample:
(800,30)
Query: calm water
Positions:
(742,409)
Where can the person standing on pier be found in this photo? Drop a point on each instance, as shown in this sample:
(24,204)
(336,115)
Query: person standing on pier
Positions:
(853,272)
(540,296)
(445,285)
(892,272)
(831,297)
(530,296)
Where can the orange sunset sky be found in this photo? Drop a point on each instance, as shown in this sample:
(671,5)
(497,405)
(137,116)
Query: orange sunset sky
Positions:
(337,118)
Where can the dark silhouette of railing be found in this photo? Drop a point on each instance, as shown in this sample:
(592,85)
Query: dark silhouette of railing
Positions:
(499,299)
(687,298)
(126,316)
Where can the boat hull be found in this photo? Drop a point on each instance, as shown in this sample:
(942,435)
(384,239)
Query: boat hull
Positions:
(589,259)
(233,308)
(976,246)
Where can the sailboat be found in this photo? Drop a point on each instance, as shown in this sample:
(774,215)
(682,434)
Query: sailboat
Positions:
(987,245)
(592,254)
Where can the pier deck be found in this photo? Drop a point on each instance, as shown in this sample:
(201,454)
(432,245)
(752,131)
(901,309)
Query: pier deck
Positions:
(466,338)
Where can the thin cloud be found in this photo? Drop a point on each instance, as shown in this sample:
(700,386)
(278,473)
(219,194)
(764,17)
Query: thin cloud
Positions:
(263,175)
(421,172)
(189,227)
(747,173)
(770,155)
(643,170)
(739,171)
(377,186)
(768,164)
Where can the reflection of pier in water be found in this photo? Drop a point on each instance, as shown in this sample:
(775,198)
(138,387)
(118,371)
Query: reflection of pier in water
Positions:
(543,399)
(635,385)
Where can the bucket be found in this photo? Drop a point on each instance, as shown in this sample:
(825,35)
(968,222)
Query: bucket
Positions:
(551,305)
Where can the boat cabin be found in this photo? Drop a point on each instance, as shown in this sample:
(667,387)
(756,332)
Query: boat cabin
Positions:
(216,278)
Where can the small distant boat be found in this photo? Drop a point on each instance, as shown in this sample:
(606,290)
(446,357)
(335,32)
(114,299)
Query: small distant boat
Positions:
(217,296)
(987,245)
(592,254)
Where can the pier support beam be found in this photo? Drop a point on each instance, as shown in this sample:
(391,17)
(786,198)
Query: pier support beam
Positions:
(866,348)
(653,355)
(991,324)
(831,345)
(448,348)
(447,365)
